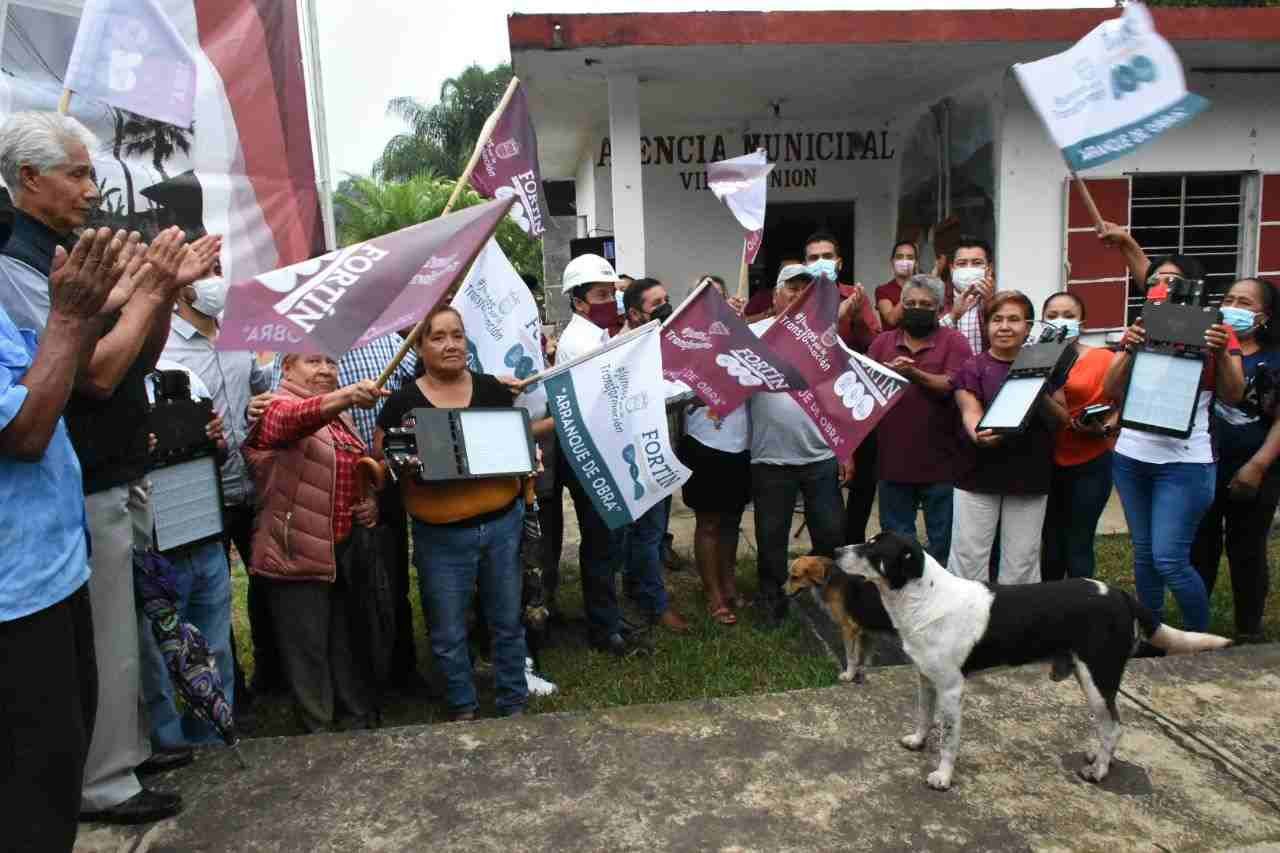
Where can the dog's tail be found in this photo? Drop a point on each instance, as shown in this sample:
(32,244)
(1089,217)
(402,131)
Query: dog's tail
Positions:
(1171,640)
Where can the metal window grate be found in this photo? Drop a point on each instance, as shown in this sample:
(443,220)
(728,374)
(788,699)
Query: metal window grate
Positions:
(1193,215)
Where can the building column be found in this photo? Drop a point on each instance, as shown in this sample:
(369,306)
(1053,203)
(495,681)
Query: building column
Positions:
(628,193)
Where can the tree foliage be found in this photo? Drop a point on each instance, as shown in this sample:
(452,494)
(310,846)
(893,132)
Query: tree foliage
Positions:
(370,207)
(440,137)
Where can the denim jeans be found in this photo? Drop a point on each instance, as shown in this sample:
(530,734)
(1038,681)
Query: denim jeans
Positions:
(600,554)
(899,503)
(451,559)
(203,581)
(642,573)
(1163,505)
(1077,496)
(773,490)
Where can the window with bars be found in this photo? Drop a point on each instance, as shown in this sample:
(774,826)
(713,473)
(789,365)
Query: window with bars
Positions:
(1193,215)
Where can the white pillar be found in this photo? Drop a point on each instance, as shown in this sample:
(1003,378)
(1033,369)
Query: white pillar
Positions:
(628,193)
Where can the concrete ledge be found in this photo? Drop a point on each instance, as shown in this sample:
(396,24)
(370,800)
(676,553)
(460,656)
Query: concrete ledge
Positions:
(810,770)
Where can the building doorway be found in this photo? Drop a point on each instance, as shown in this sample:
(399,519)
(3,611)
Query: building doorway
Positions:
(787,225)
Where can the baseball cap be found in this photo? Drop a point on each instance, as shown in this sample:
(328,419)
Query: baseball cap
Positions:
(587,269)
(791,271)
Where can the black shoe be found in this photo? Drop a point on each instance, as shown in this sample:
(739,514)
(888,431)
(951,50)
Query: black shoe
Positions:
(146,806)
(630,644)
(517,711)
(462,716)
(164,760)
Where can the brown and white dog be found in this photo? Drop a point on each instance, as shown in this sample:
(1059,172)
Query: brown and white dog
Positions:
(852,603)
(952,627)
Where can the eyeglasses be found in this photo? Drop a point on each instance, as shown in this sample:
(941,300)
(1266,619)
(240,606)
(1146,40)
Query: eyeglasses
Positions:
(1170,278)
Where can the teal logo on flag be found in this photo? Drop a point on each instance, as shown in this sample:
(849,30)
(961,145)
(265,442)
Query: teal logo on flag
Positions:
(629,456)
(520,363)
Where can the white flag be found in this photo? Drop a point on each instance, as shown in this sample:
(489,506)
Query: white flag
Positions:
(742,183)
(502,323)
(130,55)
(611,420)
(1117,88)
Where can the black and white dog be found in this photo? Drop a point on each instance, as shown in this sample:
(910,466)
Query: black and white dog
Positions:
(951,627)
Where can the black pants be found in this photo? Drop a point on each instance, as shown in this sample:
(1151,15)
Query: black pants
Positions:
(1246,525)
(267,671)
(862,492)
(551,516)
(404,656)
(48,700)
(773,490)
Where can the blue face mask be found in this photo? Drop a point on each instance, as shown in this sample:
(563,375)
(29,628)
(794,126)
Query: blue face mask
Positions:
(823,267)
(1072,327)
(1240,319)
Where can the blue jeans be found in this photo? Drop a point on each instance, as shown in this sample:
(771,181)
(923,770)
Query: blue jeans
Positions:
(1163,505)
(899,503)
(1077,496)
(642,572)
(204,599)
(450,559)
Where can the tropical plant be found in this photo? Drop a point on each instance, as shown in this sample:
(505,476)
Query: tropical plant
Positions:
(144,136)
(121,119)
(371,207)
(441,136)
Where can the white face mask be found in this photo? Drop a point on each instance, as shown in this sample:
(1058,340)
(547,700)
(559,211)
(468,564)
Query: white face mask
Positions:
(966,277)
(904,267)
(211,296)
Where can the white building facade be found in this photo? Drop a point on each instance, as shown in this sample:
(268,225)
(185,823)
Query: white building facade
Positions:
(888,125)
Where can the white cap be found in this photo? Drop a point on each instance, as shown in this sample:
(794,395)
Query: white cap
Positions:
(587,269)
(791,271)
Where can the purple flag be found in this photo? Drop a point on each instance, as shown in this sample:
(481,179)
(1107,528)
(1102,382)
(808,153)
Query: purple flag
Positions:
(848,393)
(709,348)
(330,303)
(755,239)
(508,166)
(129,54)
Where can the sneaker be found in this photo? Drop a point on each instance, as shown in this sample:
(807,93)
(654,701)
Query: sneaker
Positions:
(538,686)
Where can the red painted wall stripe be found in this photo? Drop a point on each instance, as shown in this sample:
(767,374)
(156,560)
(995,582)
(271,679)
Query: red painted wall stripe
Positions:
(537,32)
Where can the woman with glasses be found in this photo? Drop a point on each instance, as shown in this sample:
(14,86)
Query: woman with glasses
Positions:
(1248,481)
(1167,483)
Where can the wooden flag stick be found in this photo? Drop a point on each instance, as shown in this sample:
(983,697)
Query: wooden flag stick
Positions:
(481,141)
(64,103)
(744,274)
(1088,201)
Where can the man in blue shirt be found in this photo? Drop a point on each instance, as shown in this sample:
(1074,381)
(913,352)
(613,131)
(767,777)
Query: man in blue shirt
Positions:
(48,674)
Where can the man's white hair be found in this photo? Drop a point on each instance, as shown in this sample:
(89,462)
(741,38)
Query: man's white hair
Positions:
(40,140)
(932,284)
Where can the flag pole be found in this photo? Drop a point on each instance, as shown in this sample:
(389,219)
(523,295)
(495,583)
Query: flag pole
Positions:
(744,274)
(64,103)
(688,300)
(1088,201)
(481,141)
(616,341)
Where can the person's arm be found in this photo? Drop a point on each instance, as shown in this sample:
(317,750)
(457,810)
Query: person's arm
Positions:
(259,376)
(543,427)
(890,312)
(79,284)
(1228,365)
(378,438)
(288,420)
(1053,409)
(1248,478)
(1116,237)
(1117,377)
(971,412)
(852,325)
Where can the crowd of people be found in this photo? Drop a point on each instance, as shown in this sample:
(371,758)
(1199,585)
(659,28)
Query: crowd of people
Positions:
(87,710)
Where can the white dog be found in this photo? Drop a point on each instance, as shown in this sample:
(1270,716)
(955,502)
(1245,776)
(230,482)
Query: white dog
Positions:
(951,627)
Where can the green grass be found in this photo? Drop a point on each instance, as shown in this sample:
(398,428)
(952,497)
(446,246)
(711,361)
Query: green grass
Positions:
(712,661)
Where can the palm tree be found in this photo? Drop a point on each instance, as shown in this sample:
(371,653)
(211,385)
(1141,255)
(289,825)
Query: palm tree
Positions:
(371,207)
(440,137)
(117,145)
(159,139)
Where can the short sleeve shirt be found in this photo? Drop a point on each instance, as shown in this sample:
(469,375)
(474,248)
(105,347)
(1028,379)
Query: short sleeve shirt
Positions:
(1021,464)
(486,393)
(917,437)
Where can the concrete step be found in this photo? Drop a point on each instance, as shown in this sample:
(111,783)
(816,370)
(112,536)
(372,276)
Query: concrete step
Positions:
(809,770)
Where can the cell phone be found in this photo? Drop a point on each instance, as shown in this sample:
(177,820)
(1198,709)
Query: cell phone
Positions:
(1096,412)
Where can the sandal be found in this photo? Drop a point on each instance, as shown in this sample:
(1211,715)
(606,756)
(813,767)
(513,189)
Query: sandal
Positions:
(724,615)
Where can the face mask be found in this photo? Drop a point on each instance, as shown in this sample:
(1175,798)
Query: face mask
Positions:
(603,314)
(823,267)
(661,313)
(1240,319)
(1072,327)
(904,267)
(211,296)
(966,277)
(919,322)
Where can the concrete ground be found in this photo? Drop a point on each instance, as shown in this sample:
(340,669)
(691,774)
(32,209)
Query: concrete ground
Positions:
(810,770)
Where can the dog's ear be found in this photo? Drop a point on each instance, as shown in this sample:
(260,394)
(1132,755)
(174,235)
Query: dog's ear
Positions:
(819,568)
(905,564)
